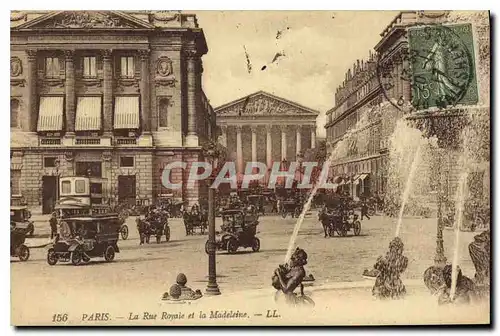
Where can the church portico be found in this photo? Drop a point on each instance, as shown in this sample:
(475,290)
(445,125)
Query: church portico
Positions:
(265,128)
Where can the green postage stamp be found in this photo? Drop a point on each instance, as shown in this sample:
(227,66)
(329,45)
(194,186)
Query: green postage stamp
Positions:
(443,66)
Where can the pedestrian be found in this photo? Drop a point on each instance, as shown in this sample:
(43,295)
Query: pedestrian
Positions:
(53,225)
(364,209)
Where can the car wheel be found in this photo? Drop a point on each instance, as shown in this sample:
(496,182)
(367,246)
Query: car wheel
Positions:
(76,257)
(51,257)
(109,254)
(124,232)
(256,244)
(357,228)
(158,239)
(167,233)
(232,245)
(24,252)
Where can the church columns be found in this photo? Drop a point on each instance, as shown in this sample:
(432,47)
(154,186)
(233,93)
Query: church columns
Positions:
(283,142)
(269,146)
(313,137)
(239,150)
(254,143)
(298,147)
(223,138)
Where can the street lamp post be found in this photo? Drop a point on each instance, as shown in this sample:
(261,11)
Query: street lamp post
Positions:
(211,155)
(439,258)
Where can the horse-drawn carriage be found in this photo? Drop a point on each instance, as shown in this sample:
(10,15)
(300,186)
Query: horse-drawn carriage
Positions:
(258,202)
(81,238)
(195,219)
(155,223)
(338,216)
(238,229)
(290,206)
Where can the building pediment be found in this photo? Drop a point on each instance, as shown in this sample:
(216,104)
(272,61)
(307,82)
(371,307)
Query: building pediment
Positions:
(85,20)
(263,104)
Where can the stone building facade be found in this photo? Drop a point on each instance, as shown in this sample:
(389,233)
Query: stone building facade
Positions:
(262,127)
(111,94)
(364,91)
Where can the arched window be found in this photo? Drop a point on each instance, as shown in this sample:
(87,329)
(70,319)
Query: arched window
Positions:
(163,105)
(14,113)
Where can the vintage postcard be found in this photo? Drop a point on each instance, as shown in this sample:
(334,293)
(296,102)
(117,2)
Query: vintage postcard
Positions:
(184,168)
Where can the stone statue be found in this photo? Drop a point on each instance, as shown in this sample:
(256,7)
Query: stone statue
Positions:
(388,284)
(287,278)
(465,290)
(479,251)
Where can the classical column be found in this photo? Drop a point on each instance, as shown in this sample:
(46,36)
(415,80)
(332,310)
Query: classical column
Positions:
(145,101)
(283,142)
(107,88)
(192,99)
(313,137)
(254,143)
(269,146)
(239,150)
(223,141)
(30,113)
(70,92)
(299,140)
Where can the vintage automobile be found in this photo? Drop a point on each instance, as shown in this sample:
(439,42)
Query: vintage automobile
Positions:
(77,199)
(154,225)
(17,239)
(82,238)
(21,215)
(238,229)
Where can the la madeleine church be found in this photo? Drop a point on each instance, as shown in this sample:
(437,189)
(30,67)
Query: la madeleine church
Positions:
(110,94)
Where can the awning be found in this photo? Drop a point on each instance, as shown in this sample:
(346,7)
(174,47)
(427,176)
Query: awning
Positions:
(126,113)
(50,114)
(355,179)
(88,114)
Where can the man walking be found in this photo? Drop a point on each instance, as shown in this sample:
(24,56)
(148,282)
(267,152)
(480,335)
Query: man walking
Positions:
(53,225)
(364,209)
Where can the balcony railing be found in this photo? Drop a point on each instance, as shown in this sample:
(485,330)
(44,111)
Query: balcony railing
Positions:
(87,141)
(126,141)
(50,142)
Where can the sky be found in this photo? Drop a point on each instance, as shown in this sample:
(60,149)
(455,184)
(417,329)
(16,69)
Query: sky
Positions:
(318,47)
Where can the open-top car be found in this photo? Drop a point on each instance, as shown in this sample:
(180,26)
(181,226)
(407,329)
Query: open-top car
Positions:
(20,215)
(238,229)
(82,238)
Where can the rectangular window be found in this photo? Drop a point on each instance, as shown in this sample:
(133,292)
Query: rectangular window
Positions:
(49,162)
(163,112)
(79,186)
(52,67)
(127,67)
(89,67)
(15,182)
(126,161)
(66,187)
